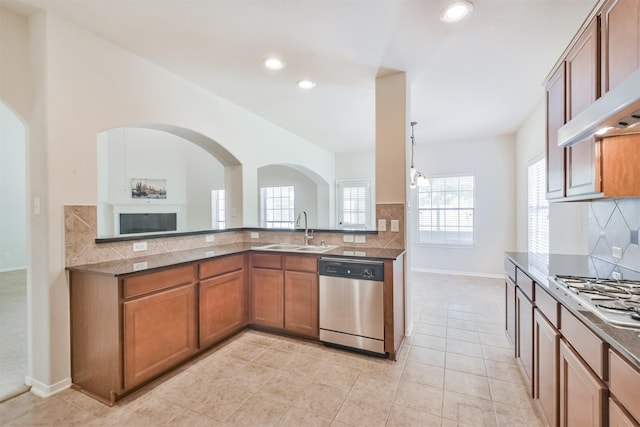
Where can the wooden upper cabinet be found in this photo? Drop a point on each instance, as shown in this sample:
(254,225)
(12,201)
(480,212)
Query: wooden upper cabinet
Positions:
(583,70)
(583,88)
(620,21)
(556,118)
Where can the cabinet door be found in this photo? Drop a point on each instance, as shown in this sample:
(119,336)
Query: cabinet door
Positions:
(582,395)
(618,417)
(546,342)
(583,88)
(222,307)
(267,302)
(159,332)
(556,118)
(524,312)
(510,304)
(620,41)
(301,303)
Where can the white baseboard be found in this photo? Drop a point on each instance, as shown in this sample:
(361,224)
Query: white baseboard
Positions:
(8,270)
(44,390)
(458,273)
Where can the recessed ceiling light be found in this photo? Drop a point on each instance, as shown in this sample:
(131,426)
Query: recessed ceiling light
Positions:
(306,84)
(456,11)
(273,63)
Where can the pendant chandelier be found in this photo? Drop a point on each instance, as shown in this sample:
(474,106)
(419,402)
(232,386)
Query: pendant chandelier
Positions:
(417,178)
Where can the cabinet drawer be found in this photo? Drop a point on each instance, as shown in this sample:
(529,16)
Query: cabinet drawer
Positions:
(146,283)
(510,269)
(624,383)
(266,261)
(301,263)
(586,343)
(525,283)
(547,305)
(220,266)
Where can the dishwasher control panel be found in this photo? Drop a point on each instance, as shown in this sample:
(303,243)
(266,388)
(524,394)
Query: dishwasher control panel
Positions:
(352,268)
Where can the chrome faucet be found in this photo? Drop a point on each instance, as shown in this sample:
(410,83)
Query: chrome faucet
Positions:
(307,236)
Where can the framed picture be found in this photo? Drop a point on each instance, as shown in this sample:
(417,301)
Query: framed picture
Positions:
(145,188)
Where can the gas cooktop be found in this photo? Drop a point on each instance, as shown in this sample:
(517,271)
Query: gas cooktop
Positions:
(615,301)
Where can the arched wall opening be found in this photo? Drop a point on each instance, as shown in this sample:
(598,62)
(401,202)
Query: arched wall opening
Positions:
(162,178)
(14,256)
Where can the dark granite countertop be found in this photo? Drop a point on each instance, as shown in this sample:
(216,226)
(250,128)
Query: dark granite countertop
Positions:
(151,262)
(542,268)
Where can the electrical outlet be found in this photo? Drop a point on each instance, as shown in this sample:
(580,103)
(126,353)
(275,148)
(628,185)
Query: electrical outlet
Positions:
(382,225)
(209,238)
(360,239)
(347,238)
(616,275)
(140,266)
(395,225)
(139,246)
(616,252)
(255,235)
(209,253)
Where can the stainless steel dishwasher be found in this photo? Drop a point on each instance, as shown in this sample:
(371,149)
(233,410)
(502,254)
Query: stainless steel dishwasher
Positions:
(352,303)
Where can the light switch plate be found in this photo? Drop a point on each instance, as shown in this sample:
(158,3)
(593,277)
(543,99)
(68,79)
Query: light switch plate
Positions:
(209,238)
(347,238)
(139,246)
(395,225)
(616,252)
(382,225)
(360,239)
(140,266)
(255,235)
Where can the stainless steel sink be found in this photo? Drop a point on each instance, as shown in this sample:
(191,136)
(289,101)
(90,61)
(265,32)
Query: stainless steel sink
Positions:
(283,247)
(315,248)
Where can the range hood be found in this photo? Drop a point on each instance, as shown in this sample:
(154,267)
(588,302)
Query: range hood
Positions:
(617,112)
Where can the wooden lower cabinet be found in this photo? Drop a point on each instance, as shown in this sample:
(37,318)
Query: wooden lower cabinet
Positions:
(524,352)
(618,417)
(546,344)
(582,394)
(510,317)
(301,303)
(159,332)
(267,292)
(221,306)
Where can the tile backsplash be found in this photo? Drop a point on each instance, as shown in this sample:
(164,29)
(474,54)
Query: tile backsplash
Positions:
(614,223)
(81,232)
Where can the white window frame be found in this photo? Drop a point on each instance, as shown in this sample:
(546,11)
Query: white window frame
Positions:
(218,206)
(422,238)
(366,208)
(287,214)
(537,206)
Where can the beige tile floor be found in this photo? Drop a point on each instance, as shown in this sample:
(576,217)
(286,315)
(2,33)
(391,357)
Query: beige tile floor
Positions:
(13,332)
(456,370)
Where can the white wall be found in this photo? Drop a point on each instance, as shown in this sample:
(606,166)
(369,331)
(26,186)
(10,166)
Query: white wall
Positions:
(491,160)
(13,215)
(568,222)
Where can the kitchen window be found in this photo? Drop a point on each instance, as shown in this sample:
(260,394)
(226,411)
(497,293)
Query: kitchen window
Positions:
(354,204)
(446,211)
(538,208)
(217,210)
(277,207)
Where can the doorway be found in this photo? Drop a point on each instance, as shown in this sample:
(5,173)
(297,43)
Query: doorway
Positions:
(13,255)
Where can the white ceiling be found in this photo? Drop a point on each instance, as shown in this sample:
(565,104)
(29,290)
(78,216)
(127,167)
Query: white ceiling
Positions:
(474,78)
